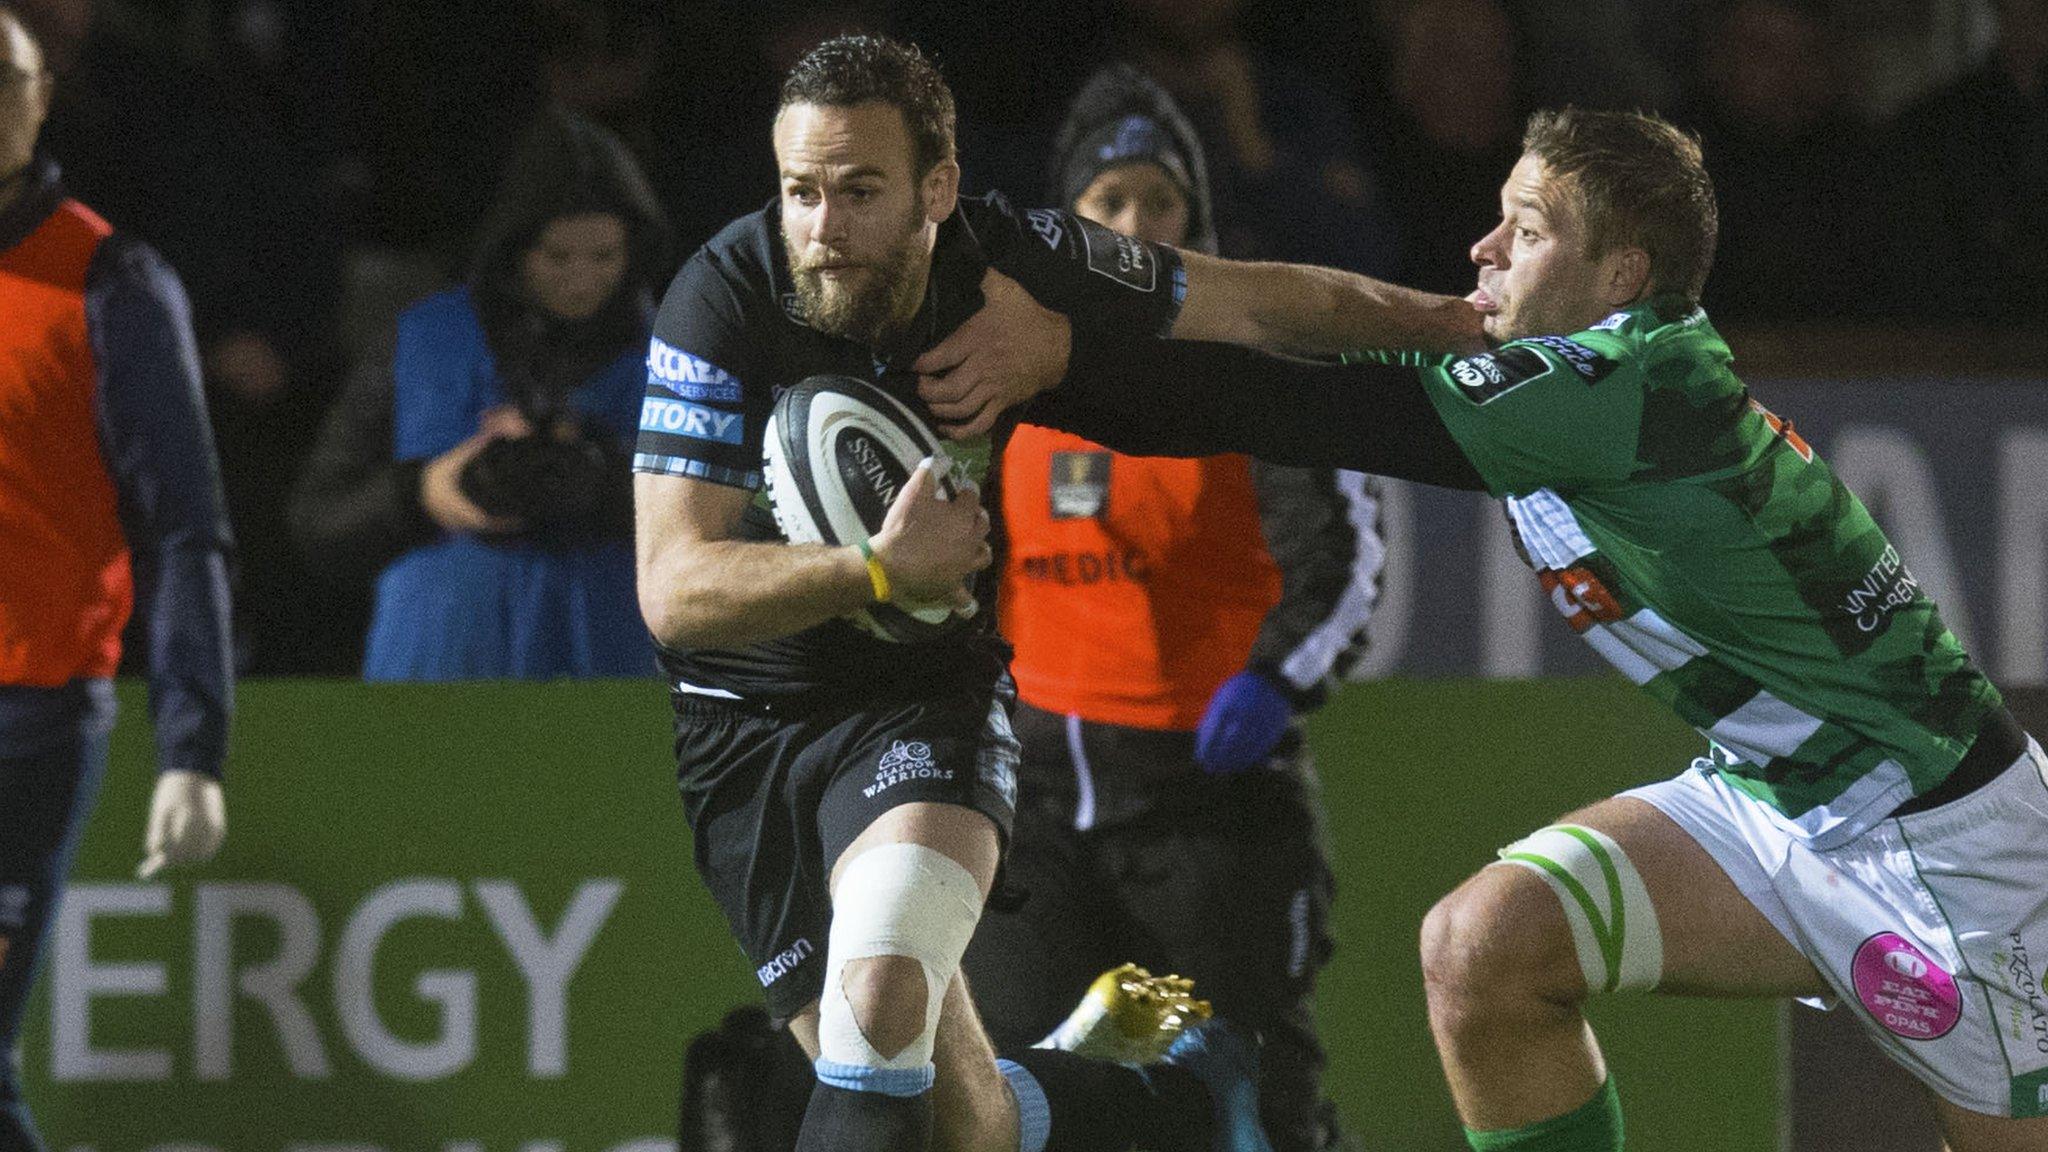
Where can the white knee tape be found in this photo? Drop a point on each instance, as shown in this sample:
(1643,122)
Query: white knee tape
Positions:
(1614,926)
(895,900)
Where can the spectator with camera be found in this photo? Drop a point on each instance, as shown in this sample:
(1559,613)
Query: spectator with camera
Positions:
(481,466)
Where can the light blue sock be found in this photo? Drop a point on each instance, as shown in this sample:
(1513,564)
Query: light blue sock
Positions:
(886,1081)
(1034,1112)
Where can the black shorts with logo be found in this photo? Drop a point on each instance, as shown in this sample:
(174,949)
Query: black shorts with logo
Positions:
(773,798)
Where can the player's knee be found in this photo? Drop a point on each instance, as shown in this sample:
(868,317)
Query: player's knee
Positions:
(1562,915)
(887,996)
(902,917)
(1497,938)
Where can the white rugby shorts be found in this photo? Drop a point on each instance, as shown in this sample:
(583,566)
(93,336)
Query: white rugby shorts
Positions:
(1933,927)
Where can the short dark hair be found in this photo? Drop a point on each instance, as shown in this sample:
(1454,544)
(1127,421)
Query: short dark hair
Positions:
(1640,182)
(859,69)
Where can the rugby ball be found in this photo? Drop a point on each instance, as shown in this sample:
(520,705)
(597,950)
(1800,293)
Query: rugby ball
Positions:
(836,452)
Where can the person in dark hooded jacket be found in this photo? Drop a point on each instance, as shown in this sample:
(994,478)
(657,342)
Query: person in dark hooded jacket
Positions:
(1173,620)
(481,466)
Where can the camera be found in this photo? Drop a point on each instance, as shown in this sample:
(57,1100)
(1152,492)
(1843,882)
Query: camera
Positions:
(551,484)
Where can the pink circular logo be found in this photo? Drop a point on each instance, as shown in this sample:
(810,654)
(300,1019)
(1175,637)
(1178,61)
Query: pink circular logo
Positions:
(1903,990)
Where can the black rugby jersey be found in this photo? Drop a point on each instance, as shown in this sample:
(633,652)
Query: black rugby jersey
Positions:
(729,338)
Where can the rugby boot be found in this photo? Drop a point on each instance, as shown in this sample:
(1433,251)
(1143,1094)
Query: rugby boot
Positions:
(1130,1016)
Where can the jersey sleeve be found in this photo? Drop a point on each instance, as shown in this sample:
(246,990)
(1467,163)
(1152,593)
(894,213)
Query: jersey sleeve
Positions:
(1550,411)
(1081,268)
(1144,396)
(707,403)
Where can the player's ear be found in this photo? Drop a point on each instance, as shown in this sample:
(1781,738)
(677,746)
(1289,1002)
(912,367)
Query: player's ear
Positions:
(939,189)
(1624,276)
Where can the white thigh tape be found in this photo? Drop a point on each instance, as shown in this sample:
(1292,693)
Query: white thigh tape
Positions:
(895,900)
(1613,924)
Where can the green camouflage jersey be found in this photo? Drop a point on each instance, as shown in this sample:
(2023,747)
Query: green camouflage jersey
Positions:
(1696,541)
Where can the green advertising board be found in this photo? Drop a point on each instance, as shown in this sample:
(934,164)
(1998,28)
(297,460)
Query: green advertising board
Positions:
(464,919)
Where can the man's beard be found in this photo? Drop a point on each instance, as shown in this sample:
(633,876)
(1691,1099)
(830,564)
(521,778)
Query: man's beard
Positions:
(871,311)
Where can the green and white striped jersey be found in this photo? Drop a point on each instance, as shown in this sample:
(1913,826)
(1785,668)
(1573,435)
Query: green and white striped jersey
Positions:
(1696,541)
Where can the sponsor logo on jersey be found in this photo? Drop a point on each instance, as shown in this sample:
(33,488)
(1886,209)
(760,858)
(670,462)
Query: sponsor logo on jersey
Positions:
(1491,375)
(1612,323)
(1080,484)
(1885,587)
(1125,260)
(905,760)
(681,418)
(1046,223)
(1479,372)
(1581,597)
(691,377)
(1585,361)
(784,962)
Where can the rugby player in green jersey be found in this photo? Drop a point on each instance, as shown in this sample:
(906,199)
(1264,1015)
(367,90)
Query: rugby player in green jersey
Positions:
(1868,824)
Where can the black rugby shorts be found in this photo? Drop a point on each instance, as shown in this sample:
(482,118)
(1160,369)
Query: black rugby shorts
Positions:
(773,800)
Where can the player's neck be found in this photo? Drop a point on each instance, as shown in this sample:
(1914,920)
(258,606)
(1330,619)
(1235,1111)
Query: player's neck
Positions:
(892,337)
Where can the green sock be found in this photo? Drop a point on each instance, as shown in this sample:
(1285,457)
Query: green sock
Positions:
(1594,1126)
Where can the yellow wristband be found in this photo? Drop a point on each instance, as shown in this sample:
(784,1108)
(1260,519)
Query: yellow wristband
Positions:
(876,575)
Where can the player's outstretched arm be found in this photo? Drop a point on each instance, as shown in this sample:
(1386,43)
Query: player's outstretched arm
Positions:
(1014,348)
(1152,397)
(1305,310)
(700,587)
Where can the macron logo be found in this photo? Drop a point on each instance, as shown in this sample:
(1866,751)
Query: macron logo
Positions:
(784,963)
(680,419)
(691,377)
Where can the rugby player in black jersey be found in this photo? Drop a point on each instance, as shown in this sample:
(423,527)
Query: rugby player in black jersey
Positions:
(849,797)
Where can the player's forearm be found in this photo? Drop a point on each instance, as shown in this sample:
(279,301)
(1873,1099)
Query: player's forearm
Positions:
(1310,311)
(1149,397)
(728,593)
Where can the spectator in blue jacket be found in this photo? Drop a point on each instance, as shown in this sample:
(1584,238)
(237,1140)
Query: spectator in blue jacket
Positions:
(481,465)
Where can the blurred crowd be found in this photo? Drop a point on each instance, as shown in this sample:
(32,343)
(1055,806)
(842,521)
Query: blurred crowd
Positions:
(311,166)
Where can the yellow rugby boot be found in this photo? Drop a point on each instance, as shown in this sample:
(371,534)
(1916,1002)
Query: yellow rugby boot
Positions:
(1130,1016)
